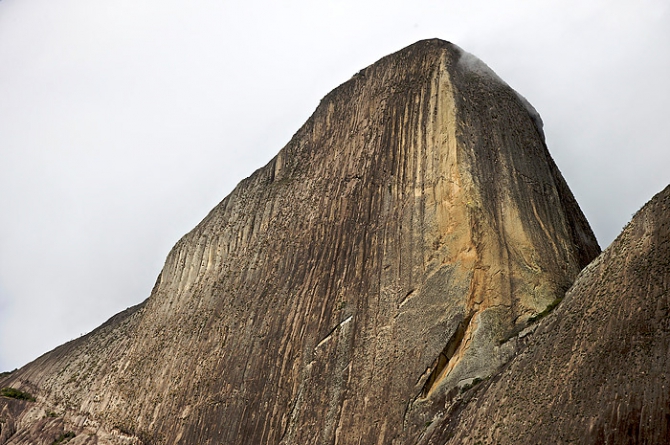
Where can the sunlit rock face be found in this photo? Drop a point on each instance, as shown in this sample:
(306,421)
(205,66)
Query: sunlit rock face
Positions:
(345,291)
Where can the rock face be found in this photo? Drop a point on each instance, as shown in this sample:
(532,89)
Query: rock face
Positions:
(596,370)
(343,292)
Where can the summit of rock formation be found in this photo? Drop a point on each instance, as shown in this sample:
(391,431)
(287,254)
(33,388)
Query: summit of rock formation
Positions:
(387,258)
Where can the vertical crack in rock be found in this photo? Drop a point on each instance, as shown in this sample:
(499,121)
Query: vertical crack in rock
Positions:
(440,364)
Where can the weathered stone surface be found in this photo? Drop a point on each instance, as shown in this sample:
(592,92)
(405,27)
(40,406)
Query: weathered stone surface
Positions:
(344,291)
(595,371)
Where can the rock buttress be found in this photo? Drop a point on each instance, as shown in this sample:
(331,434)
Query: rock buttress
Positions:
(340,293)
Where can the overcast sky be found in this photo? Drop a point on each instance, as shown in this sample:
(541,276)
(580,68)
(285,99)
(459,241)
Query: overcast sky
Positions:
(122,123)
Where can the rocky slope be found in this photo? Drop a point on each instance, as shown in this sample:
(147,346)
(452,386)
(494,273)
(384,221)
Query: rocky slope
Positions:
(595,371)
(345,291)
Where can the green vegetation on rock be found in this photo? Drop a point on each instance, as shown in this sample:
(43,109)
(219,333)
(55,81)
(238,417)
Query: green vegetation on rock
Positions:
(16,394)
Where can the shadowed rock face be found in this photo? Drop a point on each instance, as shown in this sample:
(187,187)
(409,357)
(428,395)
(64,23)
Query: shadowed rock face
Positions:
(596,370)
(344,291)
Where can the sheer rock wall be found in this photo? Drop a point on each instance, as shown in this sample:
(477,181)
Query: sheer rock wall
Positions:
(343,292)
